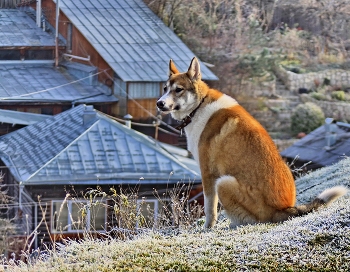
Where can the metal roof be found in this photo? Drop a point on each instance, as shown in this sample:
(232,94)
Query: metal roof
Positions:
(316,148)
(18,29)
(22,118)
(130,38)
(81,146)
(41,82)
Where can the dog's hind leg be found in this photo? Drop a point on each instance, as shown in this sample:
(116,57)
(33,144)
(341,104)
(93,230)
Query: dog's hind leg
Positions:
(231,196)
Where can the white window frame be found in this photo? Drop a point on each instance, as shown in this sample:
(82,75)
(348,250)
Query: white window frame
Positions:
(70,226)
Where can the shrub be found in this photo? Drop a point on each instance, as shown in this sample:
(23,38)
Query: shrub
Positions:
(318,96)
(339,95)
(306,118)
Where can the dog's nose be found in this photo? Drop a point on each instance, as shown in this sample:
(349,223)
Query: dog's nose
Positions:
(160,104)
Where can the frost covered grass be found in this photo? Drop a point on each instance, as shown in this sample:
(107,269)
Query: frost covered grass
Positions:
(319,241)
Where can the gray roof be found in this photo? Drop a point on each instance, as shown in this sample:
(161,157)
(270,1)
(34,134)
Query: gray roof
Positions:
(324,146)
(34,82)
(18,29)
(80,146)
(22,118)
(130,38)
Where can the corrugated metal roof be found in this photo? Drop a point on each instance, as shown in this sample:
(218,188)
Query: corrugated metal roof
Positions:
(18,29)
(45,83)
(131,38)
(80,146)
(313,147)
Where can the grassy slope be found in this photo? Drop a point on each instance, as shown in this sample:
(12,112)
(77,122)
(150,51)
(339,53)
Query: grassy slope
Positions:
(319,241)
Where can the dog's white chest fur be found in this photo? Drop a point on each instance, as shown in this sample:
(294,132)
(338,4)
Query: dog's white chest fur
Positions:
(199,121)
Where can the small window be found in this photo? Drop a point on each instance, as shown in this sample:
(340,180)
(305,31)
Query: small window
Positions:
(10,55)
(144,90)
(78,216)
(38,54)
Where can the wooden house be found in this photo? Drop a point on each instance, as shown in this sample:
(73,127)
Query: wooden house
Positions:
(128,41)
(77,152)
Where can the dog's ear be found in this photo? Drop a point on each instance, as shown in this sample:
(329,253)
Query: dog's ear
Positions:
(172,68)
(194,71)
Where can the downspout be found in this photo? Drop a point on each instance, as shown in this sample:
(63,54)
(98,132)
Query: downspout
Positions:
(56,38)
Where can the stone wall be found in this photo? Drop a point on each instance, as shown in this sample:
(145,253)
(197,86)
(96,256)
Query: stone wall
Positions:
(295,81)
(339,111)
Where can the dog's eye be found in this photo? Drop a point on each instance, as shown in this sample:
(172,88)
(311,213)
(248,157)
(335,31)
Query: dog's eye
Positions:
(179,90)
(164,88)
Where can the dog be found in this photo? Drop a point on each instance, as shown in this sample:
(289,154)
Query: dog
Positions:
(240,165)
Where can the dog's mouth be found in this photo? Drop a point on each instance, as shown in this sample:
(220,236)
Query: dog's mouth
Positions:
(164,109)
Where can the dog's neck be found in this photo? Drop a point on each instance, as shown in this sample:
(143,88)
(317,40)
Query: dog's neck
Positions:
(188,118)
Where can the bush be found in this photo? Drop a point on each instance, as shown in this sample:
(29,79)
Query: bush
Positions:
(338,95)
(306,118)
(318,96)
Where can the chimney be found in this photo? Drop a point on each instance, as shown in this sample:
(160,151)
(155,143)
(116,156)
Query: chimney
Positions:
(331,135)
(38,13)
(89,115)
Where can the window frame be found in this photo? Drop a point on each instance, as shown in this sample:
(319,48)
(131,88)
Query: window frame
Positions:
(70,225)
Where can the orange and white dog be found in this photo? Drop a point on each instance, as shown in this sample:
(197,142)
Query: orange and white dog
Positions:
(240,164)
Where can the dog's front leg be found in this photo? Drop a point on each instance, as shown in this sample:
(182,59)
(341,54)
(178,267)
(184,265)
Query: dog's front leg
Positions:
(210,205)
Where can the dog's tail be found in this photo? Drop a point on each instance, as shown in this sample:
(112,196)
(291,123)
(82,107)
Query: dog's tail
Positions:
(323,199)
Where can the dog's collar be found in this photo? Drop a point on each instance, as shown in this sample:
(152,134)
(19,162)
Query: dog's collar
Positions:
(188,119)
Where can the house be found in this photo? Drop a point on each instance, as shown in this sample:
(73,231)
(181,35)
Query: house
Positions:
(125,38)
(324,146)
(75,152)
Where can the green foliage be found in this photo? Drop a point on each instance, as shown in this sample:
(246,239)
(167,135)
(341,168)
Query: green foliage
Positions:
(306,118)
(257,65)
(318,96)
(338,95)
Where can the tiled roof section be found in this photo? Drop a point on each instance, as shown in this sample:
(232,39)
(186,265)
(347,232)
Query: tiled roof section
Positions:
(29,148)
(44,82)
(131,38)
(80,146)
(18,29)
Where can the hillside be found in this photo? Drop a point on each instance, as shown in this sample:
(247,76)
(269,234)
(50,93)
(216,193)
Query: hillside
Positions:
(319,241)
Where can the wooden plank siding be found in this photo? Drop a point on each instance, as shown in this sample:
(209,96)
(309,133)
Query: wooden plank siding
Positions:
(137,112)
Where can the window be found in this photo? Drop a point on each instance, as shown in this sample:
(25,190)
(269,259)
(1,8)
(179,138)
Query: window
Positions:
(149,210)
(144,90)
(78,216)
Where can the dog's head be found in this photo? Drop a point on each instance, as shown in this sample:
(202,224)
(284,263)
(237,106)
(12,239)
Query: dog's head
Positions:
(181,93)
